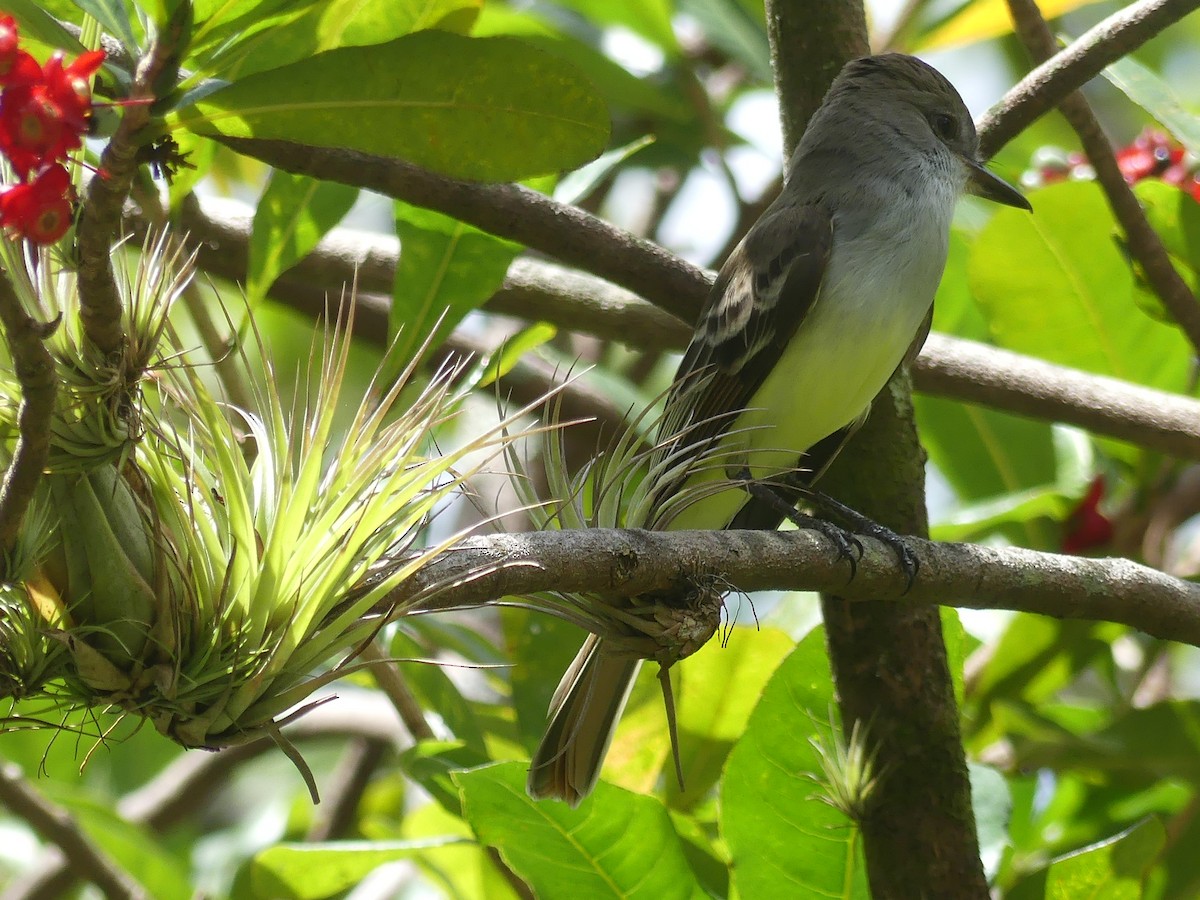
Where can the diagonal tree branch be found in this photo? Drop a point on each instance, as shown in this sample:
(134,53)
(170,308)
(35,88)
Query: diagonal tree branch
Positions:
(57,826)
(947,367)
(1069,69)
(1143,241)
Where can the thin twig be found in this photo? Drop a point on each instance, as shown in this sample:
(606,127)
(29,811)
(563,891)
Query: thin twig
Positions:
(59,827)
(396,689)
(34,369)
(1143,241)
(1045,87)
(336,816)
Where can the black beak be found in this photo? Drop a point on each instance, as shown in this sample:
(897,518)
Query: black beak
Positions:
(983,183)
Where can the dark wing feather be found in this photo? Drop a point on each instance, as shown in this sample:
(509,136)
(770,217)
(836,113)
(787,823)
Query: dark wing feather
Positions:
(762,294)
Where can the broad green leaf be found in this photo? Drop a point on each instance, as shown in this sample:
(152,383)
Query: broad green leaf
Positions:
(135,850)
(540,647)
(1055,284)
(778,831)
(1142,746)
(484,108)
(294,213)
(1019,512)
(985,19)
(1145,88)
(1034,658)
(1172,213)
(576,185)
(984,453)
(1115,869)
(431,764)
(711,717)
(346,23)
(616,844)
(464,870)
(315,871)
(447,269)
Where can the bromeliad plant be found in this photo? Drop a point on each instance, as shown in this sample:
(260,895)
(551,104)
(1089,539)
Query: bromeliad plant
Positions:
(200,566)
(195,564)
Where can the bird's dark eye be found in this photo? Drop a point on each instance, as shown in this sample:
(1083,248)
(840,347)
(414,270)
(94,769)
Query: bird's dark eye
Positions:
(944,125)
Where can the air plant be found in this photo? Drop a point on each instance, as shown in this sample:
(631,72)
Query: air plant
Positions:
(203,567)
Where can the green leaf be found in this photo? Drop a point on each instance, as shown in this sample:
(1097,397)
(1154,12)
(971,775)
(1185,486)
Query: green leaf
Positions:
(1175,216)
(777,829)
(1055,284)
(491,109)
(447,269)
(345,23)
(711,717)
(731,28)
(1145,88)
(618,86)
(649,18)
(992,802)
(437,693)
(524,341)
(113,18)
(294,213)
(616,844)
(35,23)
(1114,869)
(984,453)
(314,871)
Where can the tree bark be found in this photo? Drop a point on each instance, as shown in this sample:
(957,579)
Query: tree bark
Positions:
(889,663)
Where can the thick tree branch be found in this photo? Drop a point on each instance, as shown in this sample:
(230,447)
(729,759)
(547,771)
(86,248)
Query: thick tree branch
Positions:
(1143,241)
(57,826)
(35,373)
(947,367)
(488,568)
(1045,87)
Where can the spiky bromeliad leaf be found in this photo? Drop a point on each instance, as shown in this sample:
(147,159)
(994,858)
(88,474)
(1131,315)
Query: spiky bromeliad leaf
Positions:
(261,545)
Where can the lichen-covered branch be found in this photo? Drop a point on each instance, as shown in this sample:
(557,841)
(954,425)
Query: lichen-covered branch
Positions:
(952,574)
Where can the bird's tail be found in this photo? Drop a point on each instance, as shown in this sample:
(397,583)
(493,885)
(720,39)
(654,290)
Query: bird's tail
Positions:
(583,716)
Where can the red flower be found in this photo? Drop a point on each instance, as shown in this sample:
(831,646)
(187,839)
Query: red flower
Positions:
(15,64)
(38,210)
(42,120)
(1087,528)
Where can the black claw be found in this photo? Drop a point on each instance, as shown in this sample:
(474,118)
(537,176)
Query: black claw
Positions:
(905,555)
(847,545)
